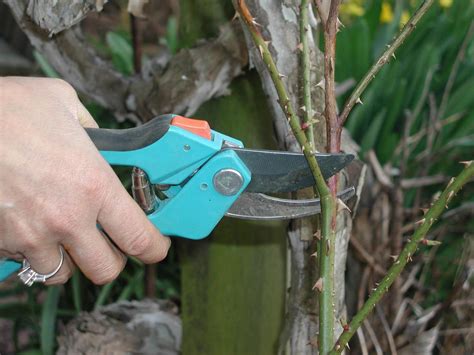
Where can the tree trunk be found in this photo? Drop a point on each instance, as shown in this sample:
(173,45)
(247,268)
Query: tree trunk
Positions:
(233,283)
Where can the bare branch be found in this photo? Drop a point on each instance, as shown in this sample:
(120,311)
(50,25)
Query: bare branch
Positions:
(204,71)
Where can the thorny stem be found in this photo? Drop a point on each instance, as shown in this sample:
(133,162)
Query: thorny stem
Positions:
(333,127)
(384,58)
(405,256)
(328,202)
(308,119)
(333,136)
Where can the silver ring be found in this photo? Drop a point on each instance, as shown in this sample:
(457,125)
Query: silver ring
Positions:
(29,276)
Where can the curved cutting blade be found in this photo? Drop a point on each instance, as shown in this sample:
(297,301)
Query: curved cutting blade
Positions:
(258,206)
(279,171)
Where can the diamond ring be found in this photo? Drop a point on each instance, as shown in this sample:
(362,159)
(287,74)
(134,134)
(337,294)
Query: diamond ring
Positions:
(28,276)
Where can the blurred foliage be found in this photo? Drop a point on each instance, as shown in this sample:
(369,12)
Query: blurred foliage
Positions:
(431,50)
(121,51)
(171,40)
(411,93)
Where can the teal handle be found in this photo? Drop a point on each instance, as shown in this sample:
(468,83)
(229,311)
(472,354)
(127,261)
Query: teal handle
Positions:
(8,267)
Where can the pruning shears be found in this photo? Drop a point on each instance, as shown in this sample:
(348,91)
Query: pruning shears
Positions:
(186,176)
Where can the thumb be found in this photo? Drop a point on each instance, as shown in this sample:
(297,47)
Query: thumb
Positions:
(85,118)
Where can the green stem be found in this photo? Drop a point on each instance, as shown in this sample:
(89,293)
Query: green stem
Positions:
(327,250)
(405,256)
(384,58)
(306,72)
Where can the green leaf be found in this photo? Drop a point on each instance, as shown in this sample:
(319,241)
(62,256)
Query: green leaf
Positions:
(461,99)
(76,291)
(30,352)
(172,35)
(104,294)
(121,51)
(372,134)
(131,286)
(47,69)
(372,16)
(48,320)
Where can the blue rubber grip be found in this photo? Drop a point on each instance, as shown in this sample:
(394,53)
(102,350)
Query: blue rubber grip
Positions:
(8,267)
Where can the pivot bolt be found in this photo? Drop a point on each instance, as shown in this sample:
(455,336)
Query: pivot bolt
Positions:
(228,182)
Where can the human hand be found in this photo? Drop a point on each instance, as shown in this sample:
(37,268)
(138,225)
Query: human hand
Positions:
(55,187)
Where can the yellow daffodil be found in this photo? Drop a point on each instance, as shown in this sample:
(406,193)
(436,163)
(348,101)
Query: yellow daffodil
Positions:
(404,18)
(445,3)
(352,9)
(386,14)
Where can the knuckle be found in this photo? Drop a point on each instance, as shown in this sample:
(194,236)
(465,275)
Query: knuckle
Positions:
(61,221)
(163,251)
(108,273)
(29,242)
(94,183)
(139,243)
(62,85)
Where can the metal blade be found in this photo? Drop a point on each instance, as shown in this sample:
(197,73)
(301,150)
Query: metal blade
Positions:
(279,171)
(256,206)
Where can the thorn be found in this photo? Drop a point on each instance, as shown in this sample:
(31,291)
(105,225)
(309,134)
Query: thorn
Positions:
(303,108)
(339,25)
(450,195)
(328,246)
(424,210)
(319,285)
(315,254)
(359,101)
(430,243)
(260,48)
(394,257)
(393,55)
(343,205)
(300,47)
(450,182)
(317,235)
(236,16)
(281,76)
(267,42)
(466,162)
(421,221)
(256,23)
(321,84)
